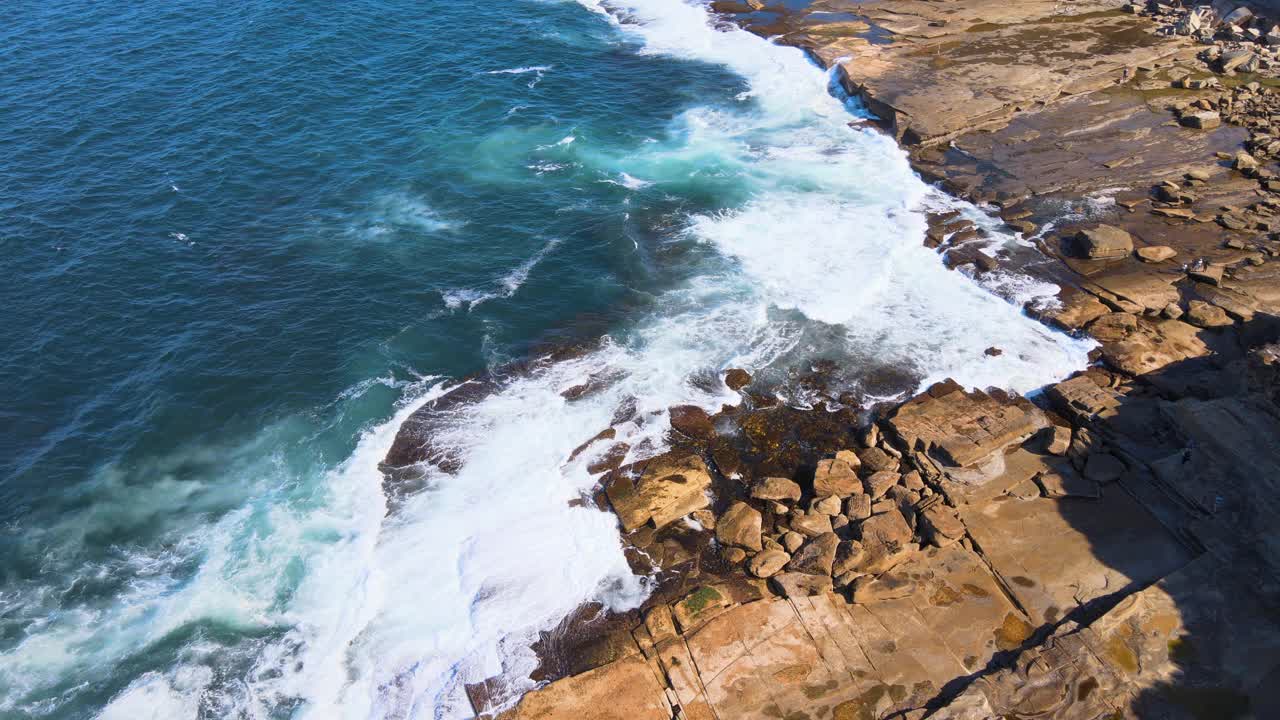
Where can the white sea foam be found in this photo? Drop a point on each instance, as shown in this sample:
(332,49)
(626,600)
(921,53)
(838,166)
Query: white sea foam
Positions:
(393,211)
(520,70)
(155,696)
(395,612)
(503,287)
(627,181)
(537,70)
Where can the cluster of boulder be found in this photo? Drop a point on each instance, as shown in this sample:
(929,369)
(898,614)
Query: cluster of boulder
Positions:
(1213,23)
(967,555)
(962,243)
(857,518)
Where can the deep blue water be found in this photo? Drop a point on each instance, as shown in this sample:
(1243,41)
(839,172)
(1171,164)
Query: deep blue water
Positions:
(219,214)
(241,240)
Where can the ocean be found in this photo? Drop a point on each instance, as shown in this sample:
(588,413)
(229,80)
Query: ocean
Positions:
(243,242)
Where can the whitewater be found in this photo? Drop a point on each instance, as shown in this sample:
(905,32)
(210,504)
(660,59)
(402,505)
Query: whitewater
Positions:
(398,606)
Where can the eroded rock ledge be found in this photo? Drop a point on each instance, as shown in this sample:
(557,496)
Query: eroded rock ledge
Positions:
(1104,550)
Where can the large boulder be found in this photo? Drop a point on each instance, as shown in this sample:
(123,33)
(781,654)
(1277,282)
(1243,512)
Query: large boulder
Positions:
(669,487)
(740,526)
(776,488)
(1104,241)
(848,555)
(1202,314)
(875,460)
(1156,253)
(816,556)
(1153,346)
(886,538)
(692,421)
(958,428)
(941,525)
(1203,120)
(1075,310)
(878,483)
(796,584)
(737,378)
(810,524)
(768,563)
(835,477)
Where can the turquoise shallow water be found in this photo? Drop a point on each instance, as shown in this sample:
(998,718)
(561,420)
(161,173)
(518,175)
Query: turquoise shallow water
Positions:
(243,241)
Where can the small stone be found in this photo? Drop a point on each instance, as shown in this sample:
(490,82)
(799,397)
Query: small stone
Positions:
(839,521)
(1180,213)
(886,538)
(1057,439)
(1203,120)
(1156,253)
(1202,314)
(705,518)
(792,540)
(985,262)
(768,563)
(913,481)
(882,506)
(1026,227)
(1232,221)
(734,555)
(698,606)
(829,505)
(993,352)
(776,488)
(868,436)
(846,579)
(1171,311)
(1244,161)
(858,507)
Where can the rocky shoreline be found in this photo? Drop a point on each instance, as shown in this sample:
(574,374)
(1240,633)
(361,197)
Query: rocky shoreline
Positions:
(1105,549)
